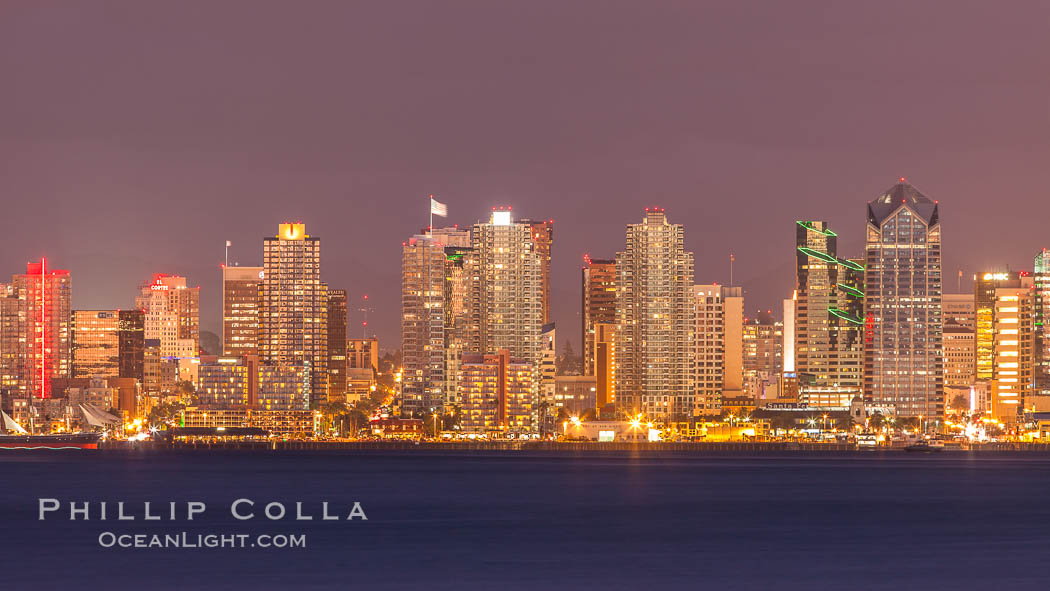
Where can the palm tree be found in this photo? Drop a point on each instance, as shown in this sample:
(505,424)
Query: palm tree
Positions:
(876,420)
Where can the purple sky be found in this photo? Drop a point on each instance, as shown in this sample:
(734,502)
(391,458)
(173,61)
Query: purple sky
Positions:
(137,139)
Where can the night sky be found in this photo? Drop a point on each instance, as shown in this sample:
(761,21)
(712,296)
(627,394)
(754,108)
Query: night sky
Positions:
(137,139)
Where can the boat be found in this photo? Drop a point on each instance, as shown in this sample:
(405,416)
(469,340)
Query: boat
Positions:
(925,447)
(867,442)
(14,436)
(54,441)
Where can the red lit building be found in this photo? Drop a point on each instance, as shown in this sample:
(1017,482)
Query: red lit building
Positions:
(44,297)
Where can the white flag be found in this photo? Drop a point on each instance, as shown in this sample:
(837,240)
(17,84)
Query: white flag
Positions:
(228,244)
(438,208)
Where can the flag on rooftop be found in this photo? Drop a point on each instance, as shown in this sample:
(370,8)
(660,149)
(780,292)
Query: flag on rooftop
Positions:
(438,208)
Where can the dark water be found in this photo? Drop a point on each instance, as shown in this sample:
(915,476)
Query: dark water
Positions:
(508,522)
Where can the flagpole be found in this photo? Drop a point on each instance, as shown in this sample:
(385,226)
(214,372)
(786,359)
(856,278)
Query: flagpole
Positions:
(430,228)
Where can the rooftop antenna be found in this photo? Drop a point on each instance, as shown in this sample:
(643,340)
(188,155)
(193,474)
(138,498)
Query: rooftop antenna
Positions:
(365,310)
(732,259)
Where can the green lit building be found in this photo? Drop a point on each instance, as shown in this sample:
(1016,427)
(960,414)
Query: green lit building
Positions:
(828,318)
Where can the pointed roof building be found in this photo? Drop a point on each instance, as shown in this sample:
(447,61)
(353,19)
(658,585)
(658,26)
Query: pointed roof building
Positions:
(902,195)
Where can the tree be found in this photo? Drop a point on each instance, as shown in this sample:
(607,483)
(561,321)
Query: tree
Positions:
(876,420)
(960,403)
(164,413)
(330,413)
(186,392)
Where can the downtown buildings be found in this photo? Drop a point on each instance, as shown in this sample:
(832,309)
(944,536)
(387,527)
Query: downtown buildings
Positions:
(425,325)
(903,354)
(35,334)
(1041,322)
(827,320)
(293,306)
(240,310)
(655,324)
(718,346)
(599,330)
(473,315)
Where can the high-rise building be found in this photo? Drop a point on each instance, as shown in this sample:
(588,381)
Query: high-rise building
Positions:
(459,263)
(337,345)
(10,369)
(548,362)
(605,369)
(293,306)
(504,308)
(985,286)
(159,373)
(903,363)
(44,297)
(788,342)
(131,343)
(423,320)
(654,309)
(542,245)
(1041,323)
(1012,349)
(240,310)
(363,354)
(957,309)
(96,343)
(959,356)
(506,292)
(718,346)
(763,354)
(172,311)
(828,323)
(599,304)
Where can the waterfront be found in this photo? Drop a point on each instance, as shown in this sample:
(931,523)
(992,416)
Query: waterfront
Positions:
(552,521)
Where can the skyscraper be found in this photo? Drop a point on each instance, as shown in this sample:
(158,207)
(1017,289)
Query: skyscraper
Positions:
(423,320)
(505,304)
(763,354)
(1012,349)
(240,310)
(959,356)
(543,244)
(718,346)
(654,309)
(10,368)
(958,309)
(903,363)
(1041,322)
(337,345)
(599,304)
(293,306)
(363,354)
(172,311)
(131,345)
(828,324)
(96,343)
(985,286)
(604,369)
(44,297)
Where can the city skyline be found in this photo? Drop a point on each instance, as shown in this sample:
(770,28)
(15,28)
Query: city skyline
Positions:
(767,302)
(163,159)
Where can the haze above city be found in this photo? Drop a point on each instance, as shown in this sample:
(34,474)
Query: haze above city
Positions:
(138,139)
